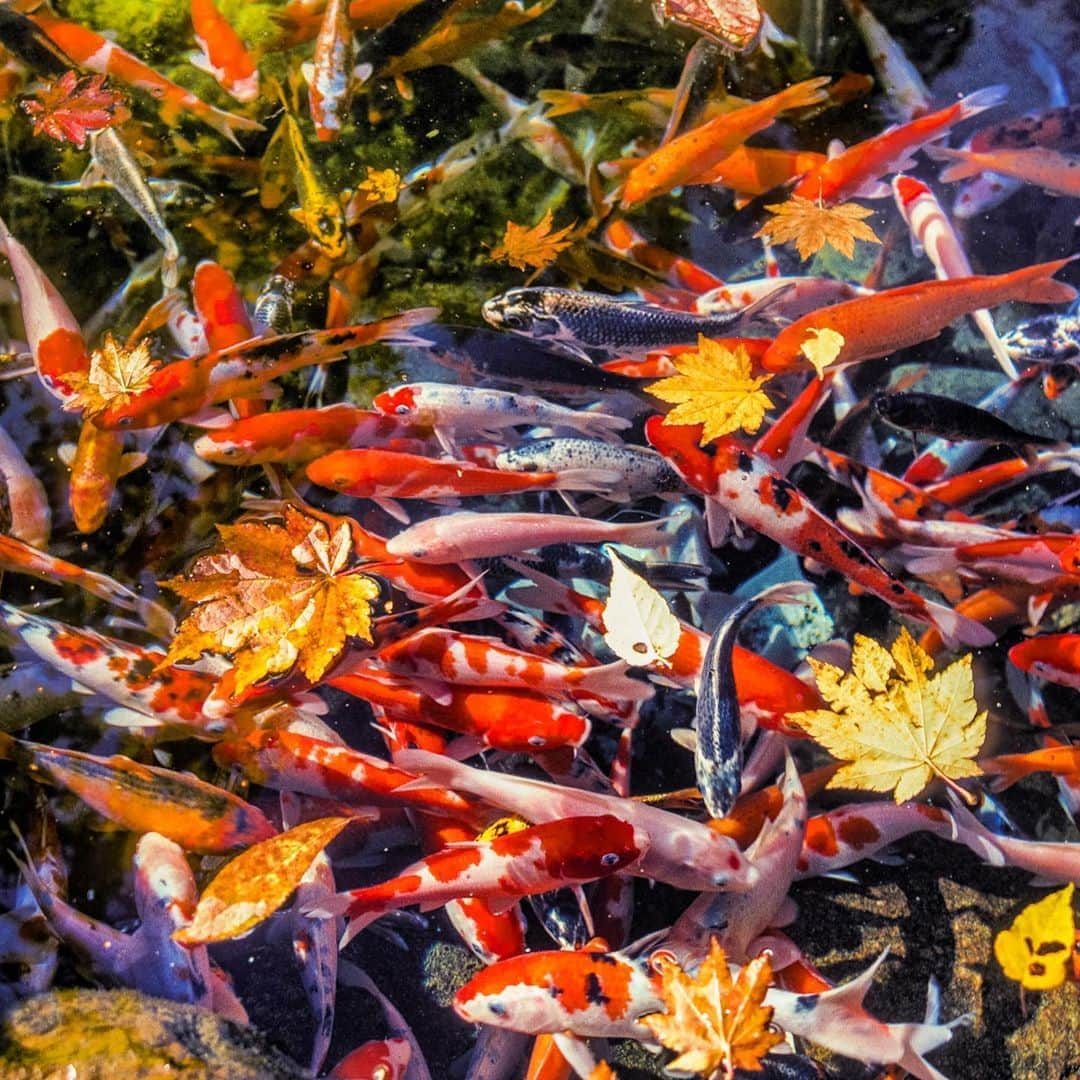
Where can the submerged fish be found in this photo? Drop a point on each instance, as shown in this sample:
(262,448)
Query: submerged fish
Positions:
(947,418)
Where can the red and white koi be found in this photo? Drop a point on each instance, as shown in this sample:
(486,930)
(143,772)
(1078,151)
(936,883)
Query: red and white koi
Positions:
(224,55)
(480,410)
(1053,657)
(468,535)
(683,853)
(857,170)
(330,76)
(754,493)
(893,319)
(24,496)
(801,296)
(471,660)
(573,851)
(933,232)
(185,387)
(97,53)
(380,1059)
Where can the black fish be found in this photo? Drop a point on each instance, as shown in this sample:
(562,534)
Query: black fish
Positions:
(399,35)
(580,323)
(945,418)
(24,38)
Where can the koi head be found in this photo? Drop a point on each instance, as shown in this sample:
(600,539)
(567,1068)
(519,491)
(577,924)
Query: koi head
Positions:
(523,311)
(338,470)
(326,227)
(404,401)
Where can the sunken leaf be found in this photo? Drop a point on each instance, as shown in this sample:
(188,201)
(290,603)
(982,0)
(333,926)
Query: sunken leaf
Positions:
(714,387)
(522,247)
(70,108)
(895,724)
(1037,948)
(116,375)
(809,225)
(257,882)
(715,1024)
(638,624)
(273,597)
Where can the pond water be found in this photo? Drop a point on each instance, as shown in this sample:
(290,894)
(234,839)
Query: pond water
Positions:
(502,461)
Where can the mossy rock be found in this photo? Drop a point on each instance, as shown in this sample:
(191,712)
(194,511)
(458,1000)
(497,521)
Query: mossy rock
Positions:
(107,1034)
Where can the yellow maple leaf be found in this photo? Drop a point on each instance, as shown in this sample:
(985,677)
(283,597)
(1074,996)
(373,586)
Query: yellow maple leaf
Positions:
(257,882)
(811,225)
(116,375)
(895,725)
(714,387)
(823,348)
(382,185)
(275,596)
(715,1024)
(523,247)
(1036,949)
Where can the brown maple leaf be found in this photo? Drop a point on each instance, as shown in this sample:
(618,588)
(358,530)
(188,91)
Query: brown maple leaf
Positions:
(275,596)
(70,108)
(714,1023)
(116,374)
(810,225)
(523,247)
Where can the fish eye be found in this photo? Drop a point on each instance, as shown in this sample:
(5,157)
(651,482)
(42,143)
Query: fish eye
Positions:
(402,410)
(325,224)
(513,321)
(537,741)
(125,421)
(496,1009)
(610,859)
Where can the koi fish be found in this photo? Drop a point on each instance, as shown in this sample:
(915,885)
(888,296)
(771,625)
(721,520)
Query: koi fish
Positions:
(273,309)
(384,1059)
(386,475)
(683,853)
(293,761)
(751,171)
(190,811)
(1053,657)
(96,463)
(575,850)
(857,170)
(224,55)
(579,323)
(750,490)
(481,410)
(933,232)
(1049,169)
(186,386)
(948,418)
(692,153)
(24,496)
(331,72)
(468,535)
(97,53)
(505,720)
(320,211)
(893,319)
(1007,769)
(471,660)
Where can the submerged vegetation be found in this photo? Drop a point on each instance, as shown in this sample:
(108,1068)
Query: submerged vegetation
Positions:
(508,462)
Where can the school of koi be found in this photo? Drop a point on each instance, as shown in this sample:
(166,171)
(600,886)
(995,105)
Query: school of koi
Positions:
(505,732)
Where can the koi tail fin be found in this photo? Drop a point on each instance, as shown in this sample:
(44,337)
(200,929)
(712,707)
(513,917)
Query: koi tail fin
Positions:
(1004,770)
(647,533)
(330,907)
(600,480)
(983,99)
(954,627)
(601,425)
(225,123)
(562,102)
(395,329)
(964,163)
(1037,284)
(803,94)
(612,681)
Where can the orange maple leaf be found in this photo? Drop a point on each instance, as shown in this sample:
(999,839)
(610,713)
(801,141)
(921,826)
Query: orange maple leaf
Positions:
(810,225)
(70,108)
(275,596)
(523,247)
(716,1024)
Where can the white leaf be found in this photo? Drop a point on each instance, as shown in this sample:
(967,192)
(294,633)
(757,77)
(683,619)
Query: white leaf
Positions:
(638,624)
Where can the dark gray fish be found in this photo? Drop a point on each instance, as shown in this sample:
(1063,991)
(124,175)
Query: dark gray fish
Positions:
(274,307)
(560,915)
(398,36)
(581,323)
(1045,339)
(643,472)
(718,756)
(946,418)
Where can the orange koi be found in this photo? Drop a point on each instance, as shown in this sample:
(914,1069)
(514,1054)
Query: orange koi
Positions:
(331,79)
(97,53)
(381,1059)
(622,237)
(1007,769)
(754,170)
(143,798)
(748,488)
(224,55)
(1049,169)
(857,170)
(97,462)
(573,851)
(1053,657)
(894,319)
(699,149)
(186,386)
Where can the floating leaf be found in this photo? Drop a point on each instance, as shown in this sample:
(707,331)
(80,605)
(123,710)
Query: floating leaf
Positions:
(380,185)
(523,248)
(1037,948)
(897,726)
(823,348)
(275,596)
(70,108)
(714,387)
(116,375)
(638,624)
(257,882)
(716,1025)
(811,225)
(735,23)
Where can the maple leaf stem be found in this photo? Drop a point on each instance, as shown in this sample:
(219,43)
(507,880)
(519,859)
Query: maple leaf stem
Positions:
(962,793)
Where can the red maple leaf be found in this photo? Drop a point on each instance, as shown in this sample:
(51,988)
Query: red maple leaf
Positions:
(70,108)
